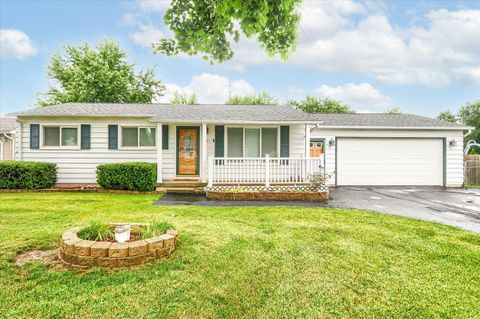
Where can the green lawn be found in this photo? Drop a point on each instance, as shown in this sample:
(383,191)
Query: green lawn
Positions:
(242,263)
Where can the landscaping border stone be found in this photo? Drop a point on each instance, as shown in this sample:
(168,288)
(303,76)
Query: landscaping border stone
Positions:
(81,253)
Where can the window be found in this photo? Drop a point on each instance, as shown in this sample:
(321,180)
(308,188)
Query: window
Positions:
(235,142)
(252,142)
(59,136)
(269,142)
(138,136)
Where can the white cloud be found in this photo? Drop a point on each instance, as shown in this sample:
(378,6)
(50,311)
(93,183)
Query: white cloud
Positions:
(15,44)
(359,96)
(346,37)
(209,88)
(154,5)
(146,35)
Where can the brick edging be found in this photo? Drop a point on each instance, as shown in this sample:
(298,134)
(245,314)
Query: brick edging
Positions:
(82,253)
(275,196)
(59,190)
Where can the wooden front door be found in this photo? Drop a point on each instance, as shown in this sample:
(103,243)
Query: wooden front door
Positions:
(187,150)
(316,148)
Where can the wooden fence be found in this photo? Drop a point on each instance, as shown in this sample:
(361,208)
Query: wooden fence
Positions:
(472,170)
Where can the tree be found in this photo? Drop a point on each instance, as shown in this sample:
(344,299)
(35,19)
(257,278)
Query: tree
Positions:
(469,114)
(253,99)
(183,98)
(394,110)
(207,27)
(312,104)
(447,116)
(100,74)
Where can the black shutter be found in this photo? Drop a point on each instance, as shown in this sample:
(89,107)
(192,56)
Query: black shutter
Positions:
(34,136)
(284,141)
(85,136)
(219,140)
(165,137)
(113,137)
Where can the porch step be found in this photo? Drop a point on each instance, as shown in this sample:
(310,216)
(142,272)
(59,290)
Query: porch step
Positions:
(174,184)
(182,187)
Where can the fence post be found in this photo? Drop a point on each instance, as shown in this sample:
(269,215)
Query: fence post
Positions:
(210,170)
(267,170)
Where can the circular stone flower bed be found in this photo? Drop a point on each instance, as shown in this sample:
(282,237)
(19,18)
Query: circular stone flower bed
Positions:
(78,252)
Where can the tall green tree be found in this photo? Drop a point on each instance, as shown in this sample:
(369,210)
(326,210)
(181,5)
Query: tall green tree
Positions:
(394,110)
(207,27)
(469,114)
(183,98)
(313,104)
(99,74)
(262,98)
(447,116)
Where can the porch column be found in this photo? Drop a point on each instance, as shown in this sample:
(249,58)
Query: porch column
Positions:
(307,141)
(159,152)
(203,166)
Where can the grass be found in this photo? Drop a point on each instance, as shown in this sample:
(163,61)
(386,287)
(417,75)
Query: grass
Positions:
(155,228)
(96,230)
(241,263)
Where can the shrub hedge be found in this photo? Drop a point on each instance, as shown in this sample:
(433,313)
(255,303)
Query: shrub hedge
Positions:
(27,175)
(137,176)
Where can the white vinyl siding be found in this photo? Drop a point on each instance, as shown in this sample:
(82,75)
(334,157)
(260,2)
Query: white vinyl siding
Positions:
(77,166)
(454,155)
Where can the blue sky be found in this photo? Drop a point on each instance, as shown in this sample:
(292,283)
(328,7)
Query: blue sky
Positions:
(420,56)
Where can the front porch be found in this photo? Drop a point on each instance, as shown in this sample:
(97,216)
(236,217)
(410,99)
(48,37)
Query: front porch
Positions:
(199,155)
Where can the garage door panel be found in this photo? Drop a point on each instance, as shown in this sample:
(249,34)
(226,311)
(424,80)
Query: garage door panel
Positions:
(375,161)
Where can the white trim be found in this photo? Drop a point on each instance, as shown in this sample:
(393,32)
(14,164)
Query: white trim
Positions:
(60,146)
(307,141)
(138,147)
(320,127)
(1,150)
(19,137)
(225,145)
(159,137)
(203,165)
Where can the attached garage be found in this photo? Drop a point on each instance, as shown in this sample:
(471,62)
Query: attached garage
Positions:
(374,149)
(390,161)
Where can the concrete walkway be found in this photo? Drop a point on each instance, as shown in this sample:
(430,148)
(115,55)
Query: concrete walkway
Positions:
(455,207)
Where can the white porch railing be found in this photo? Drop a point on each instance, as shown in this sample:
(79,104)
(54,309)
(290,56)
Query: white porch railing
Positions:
(263,171)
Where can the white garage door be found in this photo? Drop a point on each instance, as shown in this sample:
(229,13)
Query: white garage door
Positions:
(379,161)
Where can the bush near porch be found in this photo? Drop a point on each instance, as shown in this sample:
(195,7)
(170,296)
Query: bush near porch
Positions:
(135,176)
(27,175)
(241,262)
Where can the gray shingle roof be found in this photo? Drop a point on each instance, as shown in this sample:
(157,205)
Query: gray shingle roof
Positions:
(382,120)
(220,113)
(209,113)
(7,124)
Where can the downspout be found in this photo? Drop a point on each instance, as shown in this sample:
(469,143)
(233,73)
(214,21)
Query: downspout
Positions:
(13,145)
(468,133)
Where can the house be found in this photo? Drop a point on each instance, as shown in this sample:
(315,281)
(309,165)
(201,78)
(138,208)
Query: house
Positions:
(7,138)
(243,144)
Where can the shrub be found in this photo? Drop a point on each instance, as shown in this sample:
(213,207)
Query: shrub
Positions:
(156,228)
(96,231)
(318,180)
(128,176)
(27,175)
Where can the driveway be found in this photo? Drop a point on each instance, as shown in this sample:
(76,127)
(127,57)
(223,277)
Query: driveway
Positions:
(450,206)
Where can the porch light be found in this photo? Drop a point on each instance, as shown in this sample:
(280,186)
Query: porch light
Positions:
(122,233)
(452,143)
(331,142)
